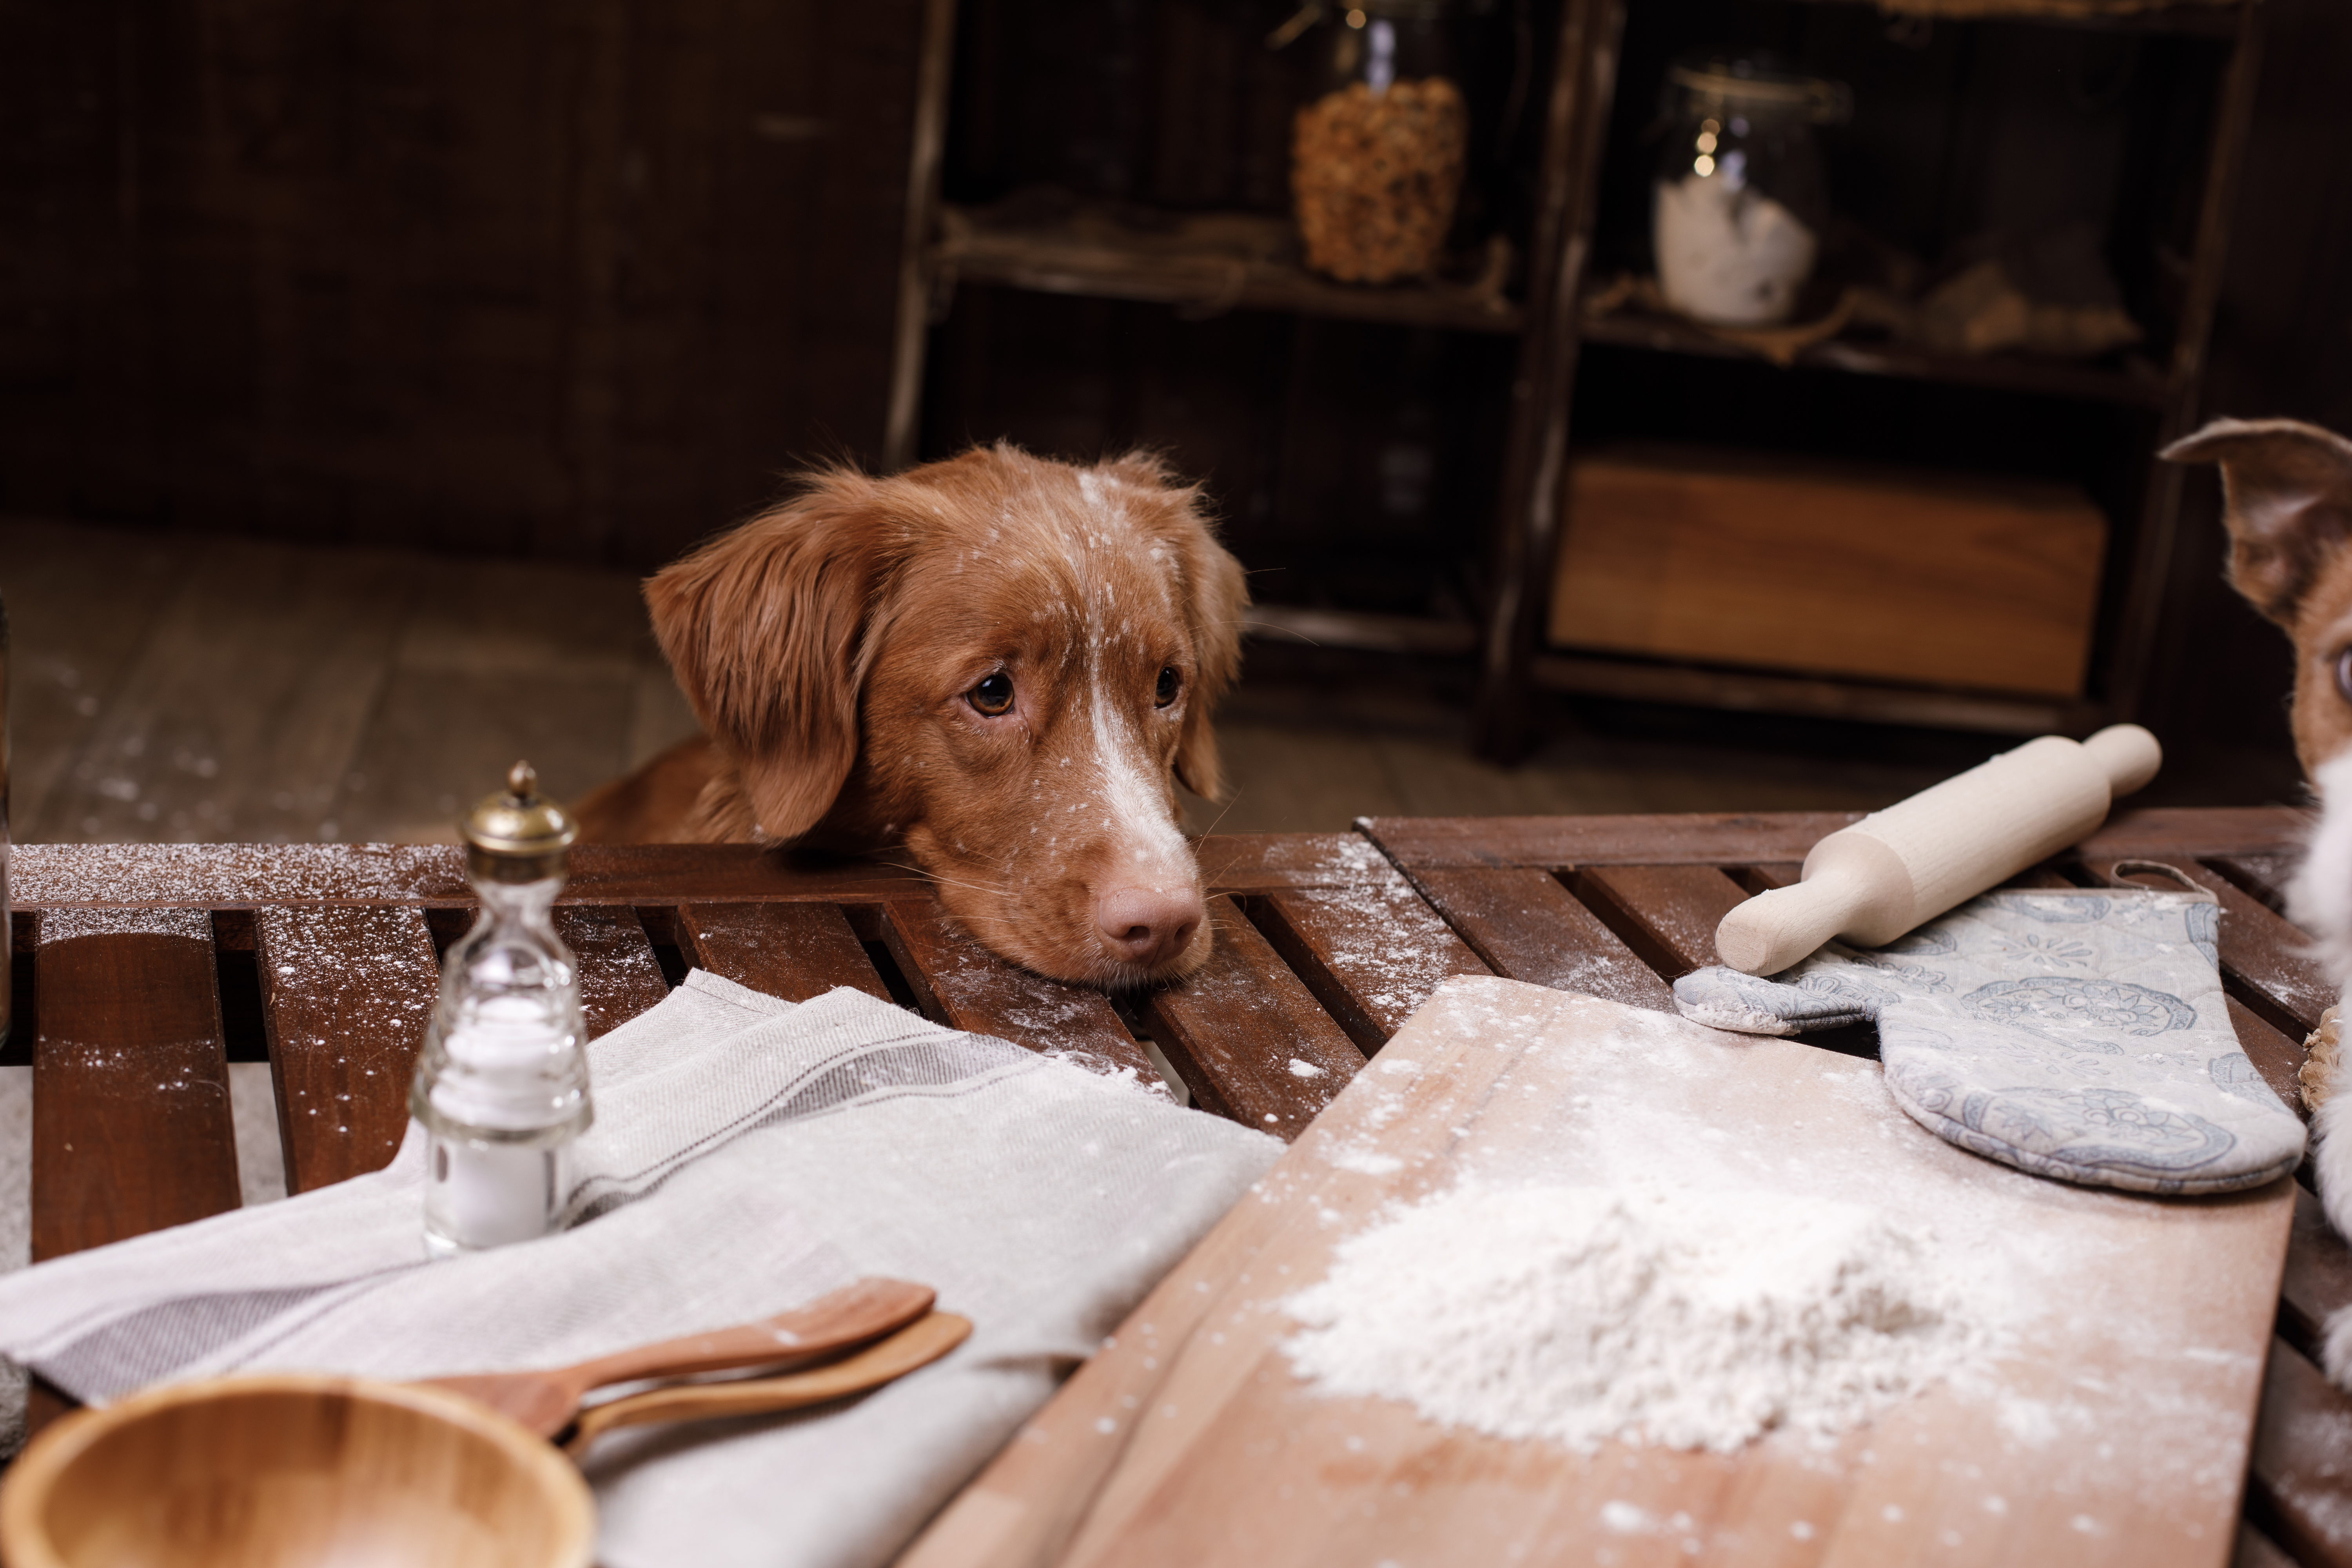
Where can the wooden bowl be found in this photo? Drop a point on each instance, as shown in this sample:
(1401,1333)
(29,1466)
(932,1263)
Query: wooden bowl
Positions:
(278,1470)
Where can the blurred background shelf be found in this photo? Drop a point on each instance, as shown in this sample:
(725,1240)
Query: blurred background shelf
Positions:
(2135,382)
(1111,260)
(1971,124)
(1204,264)
(1756,692)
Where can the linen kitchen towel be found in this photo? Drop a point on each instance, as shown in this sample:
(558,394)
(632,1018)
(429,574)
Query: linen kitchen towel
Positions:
(747,1155)
(2077,1035)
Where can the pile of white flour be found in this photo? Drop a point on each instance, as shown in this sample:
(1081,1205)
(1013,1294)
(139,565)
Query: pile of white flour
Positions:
(1690,1318)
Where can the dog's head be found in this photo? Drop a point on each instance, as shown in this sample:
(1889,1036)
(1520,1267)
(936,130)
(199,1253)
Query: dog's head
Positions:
(2288,488)
(1002,662)
(2288,493)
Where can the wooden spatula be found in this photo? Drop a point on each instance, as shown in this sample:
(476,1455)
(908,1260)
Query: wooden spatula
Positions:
(918,1344)
(545,1400)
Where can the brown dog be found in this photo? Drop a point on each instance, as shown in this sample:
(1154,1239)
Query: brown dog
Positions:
(997,661)
(2289,511)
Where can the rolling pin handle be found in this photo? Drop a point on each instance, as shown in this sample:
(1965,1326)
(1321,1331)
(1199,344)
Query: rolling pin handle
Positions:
(2128,755)
(1783,927)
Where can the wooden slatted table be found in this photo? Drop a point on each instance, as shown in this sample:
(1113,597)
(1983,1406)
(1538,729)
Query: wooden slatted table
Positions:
(144,970)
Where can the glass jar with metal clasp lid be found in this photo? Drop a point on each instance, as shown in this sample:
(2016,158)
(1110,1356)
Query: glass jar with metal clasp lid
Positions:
(1742,197)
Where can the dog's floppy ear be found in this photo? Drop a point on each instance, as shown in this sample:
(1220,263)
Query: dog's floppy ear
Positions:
(1215,593)
(2289,490)
(764,627)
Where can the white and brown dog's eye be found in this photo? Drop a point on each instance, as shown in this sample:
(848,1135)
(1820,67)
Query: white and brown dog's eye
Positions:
(993,695)
(2344,675)
(1165,692)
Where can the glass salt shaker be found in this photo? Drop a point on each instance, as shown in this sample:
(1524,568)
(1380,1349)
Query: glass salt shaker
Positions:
(502,1085)
(1742,197)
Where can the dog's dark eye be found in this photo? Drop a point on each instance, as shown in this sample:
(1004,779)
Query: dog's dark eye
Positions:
(2343,675)
(1165,692)
(991,696)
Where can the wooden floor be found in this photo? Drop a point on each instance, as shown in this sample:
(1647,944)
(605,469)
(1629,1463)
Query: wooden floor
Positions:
(167,686)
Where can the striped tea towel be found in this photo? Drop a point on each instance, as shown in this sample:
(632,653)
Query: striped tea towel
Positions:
(747,1155)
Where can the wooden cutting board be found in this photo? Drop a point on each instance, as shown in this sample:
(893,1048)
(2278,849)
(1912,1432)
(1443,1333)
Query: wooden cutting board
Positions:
(2113,1430)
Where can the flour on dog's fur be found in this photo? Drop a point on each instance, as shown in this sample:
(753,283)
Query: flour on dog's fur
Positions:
(1692,1320)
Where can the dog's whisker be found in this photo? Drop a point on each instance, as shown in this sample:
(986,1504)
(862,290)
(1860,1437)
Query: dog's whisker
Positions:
(998,887)
(1228,811)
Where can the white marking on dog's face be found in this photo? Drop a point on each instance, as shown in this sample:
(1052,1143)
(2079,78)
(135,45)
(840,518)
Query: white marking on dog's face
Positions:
(2320,897)
(1072,737)
(1133,781)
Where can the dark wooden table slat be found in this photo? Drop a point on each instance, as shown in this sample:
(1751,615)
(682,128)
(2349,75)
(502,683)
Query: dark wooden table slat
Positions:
(1666,913)
(132,1130)
(2299,1486)
(797,952)
(2318,1280)
(346,996)
(1781,873)
(2277,1057)
(619,975)
(1266,862)
(962,985)
(2263,876)
(1703,838)
(1246,1035)
(2256,1550)
(1526,926)
(1371,955)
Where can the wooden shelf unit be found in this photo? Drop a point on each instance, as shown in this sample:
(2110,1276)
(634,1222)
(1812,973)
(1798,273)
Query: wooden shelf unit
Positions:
(1202,264)
(1210,264)
(1207,265)
(2137,383)
(1517,660)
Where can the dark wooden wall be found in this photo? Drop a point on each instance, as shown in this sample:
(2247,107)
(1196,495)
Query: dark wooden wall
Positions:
(563,277)
(2281,346)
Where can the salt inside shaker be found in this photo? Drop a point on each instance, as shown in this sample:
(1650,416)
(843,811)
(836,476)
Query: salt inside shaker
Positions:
(502,1085)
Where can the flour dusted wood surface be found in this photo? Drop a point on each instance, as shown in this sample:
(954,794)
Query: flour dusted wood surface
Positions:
(346,995)
(2115,1428)
(130,1118)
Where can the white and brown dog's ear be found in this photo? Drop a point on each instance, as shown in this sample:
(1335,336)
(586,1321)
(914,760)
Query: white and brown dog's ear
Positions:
(1215,593)
(765,630)
(2289,490)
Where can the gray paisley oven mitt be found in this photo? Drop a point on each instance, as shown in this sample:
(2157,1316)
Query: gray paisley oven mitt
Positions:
(2076,1035)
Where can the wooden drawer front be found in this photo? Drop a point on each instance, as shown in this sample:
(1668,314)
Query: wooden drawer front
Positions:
(1958,581)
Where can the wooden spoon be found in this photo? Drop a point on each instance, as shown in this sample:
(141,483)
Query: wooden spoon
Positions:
(917,1345)
(545,1400)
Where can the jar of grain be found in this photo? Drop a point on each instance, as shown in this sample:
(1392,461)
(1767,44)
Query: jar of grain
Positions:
(1741,197)
(1377,160)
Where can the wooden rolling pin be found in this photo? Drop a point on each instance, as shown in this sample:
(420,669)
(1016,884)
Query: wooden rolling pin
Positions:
(1901,868)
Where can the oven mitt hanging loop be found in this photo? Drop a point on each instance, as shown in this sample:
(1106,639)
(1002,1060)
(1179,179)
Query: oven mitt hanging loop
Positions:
(2081,1035)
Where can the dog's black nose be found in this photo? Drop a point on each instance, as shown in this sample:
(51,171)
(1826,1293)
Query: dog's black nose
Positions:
(1148,925)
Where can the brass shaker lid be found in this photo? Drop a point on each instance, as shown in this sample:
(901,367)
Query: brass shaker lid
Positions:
(518,820)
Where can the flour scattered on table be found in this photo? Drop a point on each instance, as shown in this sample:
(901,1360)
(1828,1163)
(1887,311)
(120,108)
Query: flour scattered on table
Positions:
(1692,1320)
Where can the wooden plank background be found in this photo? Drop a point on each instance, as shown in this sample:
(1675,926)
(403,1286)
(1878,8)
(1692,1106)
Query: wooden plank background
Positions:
(569,278)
